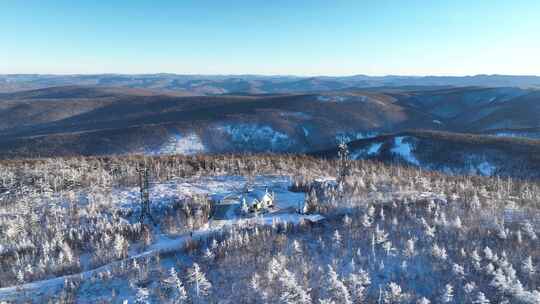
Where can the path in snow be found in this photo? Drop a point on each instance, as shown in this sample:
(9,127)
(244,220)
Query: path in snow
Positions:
(164,245)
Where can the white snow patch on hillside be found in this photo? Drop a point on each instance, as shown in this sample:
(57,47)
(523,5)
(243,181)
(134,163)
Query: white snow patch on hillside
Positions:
(342,98)
(485,168)
(177,144)
(518,134)
(373,149)
(506,134)
(299,115)
(351,136)
(337,98)
(438,122)
(262,136)
(405,150)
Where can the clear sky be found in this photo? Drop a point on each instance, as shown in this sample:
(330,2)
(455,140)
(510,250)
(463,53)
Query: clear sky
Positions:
(333,37)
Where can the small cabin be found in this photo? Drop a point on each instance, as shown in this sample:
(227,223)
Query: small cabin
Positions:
(262,201)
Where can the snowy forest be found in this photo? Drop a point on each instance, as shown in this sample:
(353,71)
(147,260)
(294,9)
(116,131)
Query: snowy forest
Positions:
(77,230)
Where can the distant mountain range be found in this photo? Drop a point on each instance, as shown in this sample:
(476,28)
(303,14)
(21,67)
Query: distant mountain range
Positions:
(254,84)
(99,120)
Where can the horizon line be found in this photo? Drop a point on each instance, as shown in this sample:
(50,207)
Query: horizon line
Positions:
(270,75)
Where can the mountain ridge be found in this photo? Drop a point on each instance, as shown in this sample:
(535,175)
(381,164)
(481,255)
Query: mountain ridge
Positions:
(222,84)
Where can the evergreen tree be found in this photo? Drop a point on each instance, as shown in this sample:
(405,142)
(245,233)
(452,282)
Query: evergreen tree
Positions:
(335,288)
(292,292)
(201,286)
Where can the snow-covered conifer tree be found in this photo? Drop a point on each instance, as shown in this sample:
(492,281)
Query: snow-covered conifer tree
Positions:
(358,284)
(292,292)
(481,298)
(200,284)
(528,228)
(528,267)
(179,291)
(409,250)
(423,300)
(335,288)
(337,239)
(142,296)
(448,294)
(394,295)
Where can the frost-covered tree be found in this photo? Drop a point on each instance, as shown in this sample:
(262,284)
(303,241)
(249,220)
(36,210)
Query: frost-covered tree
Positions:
(120,246)
(393,294)
(423,300)
(179,295)
(458,270)
(367,221)
(358,283)
(410,248)
(292,292)
(337,239)
(142,296)
(528,267)
(477,259)
(335,288)
(439,252)
(481,298)
(448,294)
(208,254)
(528,228)
(200,285)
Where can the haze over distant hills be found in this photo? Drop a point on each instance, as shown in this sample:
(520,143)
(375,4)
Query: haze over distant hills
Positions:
(255,84)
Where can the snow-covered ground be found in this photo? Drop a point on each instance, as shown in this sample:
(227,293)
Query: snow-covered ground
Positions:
(404,149)
(373,149)
(298,115)
(349,136)
(324,98)
(188,144)
(218,188)
(161,194)
(486,168)
(261,137)
(535,135)
(342,98)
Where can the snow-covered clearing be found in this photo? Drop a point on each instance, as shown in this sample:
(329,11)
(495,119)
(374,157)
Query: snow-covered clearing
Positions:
(189,144)
(373,149)
(485,168)
(354,135)
(323,98)
(342,98)
(216,187)
(404,149)
(298,115)
(306,131)
(523,134)
(261,137)
(162,194)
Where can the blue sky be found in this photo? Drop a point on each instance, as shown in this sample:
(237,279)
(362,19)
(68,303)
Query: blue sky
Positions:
(405,37)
